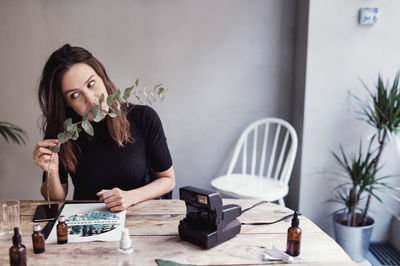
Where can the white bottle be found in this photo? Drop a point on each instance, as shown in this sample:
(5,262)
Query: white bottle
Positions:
(126,256)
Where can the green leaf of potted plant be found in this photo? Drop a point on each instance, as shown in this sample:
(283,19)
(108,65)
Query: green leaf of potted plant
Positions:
(12,133)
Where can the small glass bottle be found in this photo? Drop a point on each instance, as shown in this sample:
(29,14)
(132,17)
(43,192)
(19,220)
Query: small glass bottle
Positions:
(126,254)
(17,251)
(62,230)
(294,237)
(37,239)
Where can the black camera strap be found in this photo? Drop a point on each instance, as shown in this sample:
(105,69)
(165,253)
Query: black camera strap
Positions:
(265,223)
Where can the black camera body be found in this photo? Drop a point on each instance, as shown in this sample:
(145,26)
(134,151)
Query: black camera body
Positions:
(207,222)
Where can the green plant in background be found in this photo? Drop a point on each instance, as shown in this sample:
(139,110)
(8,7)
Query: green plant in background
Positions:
(382,112)
(361,174)
(12,133)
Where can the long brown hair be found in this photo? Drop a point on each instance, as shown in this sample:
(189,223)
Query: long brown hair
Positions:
(55,111)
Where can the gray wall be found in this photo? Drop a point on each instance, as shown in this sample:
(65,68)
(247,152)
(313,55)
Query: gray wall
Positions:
(225,63)
(340,53)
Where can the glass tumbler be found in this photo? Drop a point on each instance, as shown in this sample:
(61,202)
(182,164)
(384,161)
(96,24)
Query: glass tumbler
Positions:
(10,217)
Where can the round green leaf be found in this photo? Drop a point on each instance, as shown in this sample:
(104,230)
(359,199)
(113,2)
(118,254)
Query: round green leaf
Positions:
(54,149)
(117,93)
(85,116)
(101,99)
(62,137)
(93,110)
(67,123)
(110,99)
(99,117)
(75,135)
(87,126)
(127,93)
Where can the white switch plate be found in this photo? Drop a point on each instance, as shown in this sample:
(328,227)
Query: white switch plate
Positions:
(369,15)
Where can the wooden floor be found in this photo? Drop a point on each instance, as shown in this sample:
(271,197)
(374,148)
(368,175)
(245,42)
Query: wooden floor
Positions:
(154,230)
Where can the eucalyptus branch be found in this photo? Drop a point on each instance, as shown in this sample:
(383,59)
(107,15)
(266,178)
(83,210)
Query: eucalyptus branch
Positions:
(72,130)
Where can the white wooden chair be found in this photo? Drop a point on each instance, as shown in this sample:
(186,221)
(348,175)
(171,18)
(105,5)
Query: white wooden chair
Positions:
(262,162)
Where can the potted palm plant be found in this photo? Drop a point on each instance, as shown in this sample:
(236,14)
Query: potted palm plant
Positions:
(382,112)
(352,230)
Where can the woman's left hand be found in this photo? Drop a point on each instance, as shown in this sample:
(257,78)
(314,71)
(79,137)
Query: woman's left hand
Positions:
(115,199)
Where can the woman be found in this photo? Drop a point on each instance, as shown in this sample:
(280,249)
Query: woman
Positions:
(116,164)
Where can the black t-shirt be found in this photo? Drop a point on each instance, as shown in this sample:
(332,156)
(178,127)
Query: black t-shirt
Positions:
(103,164)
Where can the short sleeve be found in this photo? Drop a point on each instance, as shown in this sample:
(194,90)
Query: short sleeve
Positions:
(62,173)
(156,142)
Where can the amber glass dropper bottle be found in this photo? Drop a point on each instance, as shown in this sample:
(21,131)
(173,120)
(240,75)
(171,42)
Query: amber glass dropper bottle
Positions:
(17,251)
(62,230)
(294,237)
(37,239)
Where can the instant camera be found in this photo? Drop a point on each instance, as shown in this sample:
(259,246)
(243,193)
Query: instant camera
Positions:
(207,222)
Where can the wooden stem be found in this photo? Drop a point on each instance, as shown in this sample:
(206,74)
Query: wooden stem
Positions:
(381,141)
(48,180)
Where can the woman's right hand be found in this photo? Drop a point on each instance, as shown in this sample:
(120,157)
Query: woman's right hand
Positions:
(42,155)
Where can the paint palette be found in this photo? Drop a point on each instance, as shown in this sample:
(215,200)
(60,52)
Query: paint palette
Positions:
(92,223)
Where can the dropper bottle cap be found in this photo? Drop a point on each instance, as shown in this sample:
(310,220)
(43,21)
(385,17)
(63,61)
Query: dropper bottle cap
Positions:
(61,218)
(36,228)
(17,237)
(295,220)
(125,244)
